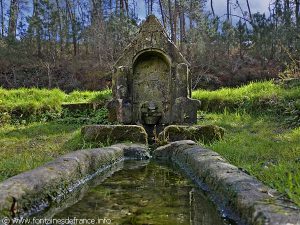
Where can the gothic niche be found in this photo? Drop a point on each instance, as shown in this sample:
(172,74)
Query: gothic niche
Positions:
(151,89)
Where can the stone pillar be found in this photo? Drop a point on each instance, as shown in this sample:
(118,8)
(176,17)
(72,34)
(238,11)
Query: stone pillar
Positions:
(120,109)
(182,72)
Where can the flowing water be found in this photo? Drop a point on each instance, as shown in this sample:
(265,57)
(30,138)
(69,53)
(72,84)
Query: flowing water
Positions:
(141,192)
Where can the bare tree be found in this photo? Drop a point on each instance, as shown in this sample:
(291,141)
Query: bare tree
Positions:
(2,18)
(182,24)
(191,14)
(13,18)
(228,10)
(173,36)
(162,13)
(297,8)
(60,26)
(249,10)
(212,7)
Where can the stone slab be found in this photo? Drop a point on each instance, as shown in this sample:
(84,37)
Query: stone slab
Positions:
(206,134)
(115,133)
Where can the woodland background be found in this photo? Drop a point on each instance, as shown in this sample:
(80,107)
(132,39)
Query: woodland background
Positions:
(73,44)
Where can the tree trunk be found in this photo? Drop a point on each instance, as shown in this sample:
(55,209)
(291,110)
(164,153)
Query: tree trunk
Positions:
(126,7)
(37,26)
(49,75)
(191,14)
(151,6)
(13,18)
(287,15)
(173,37)
(110,7)
(212,8)
(162,13)
(93,11)
(297,8)
(60,27)
(175,20)
(121,7)
(117,7)
(249,10)
(2,18)
(73,26)
(228,10)
(182,25)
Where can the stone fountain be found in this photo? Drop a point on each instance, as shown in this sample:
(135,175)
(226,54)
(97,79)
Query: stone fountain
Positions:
(151,84)
(152,93)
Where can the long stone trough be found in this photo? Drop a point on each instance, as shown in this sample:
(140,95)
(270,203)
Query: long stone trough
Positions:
(240,196)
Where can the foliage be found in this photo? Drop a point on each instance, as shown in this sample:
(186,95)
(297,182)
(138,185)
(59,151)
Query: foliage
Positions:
(292,70)
(88,116)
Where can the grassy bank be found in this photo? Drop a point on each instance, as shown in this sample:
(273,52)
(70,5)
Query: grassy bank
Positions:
(261,146)
(36,129)
(262,122)
(255,98)
(32,105)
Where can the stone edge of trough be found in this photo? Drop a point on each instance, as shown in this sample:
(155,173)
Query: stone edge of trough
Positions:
(246,199)
(36,189)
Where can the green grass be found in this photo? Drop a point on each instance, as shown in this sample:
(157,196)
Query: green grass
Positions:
(251,92)
(87,96)
(262,122)
(263,147)
(253,97)
(26,147)
(41,104)
(29,144)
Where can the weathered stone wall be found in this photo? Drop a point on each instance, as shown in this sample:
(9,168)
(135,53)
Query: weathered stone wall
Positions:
(249,200)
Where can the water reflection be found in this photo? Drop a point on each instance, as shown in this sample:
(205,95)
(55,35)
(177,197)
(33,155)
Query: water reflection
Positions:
(144,193)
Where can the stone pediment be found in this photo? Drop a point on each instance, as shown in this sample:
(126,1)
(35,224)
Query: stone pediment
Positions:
(151,36)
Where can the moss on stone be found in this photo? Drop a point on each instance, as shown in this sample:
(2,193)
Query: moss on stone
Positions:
(206,134)
(115,133)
